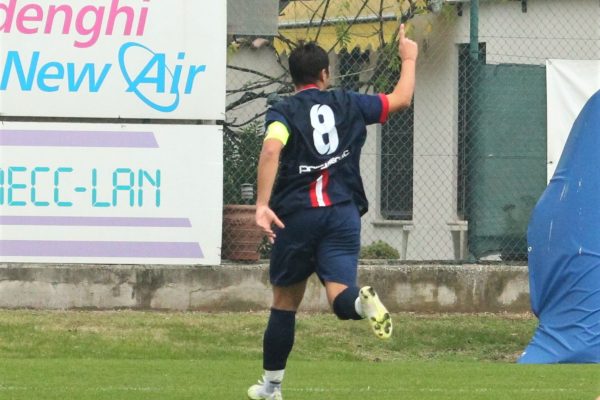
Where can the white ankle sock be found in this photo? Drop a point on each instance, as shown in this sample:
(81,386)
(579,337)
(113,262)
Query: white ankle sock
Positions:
(274,376)
(358,307)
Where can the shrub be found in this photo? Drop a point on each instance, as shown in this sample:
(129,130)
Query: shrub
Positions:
(379,250)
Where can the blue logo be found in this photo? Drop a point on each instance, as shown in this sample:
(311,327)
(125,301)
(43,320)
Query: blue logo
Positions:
(153,75)
(157,82)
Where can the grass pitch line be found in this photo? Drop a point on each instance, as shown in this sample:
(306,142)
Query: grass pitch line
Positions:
(88,389)
(424,390)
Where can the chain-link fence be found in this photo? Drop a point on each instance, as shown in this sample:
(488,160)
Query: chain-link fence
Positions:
(454,177)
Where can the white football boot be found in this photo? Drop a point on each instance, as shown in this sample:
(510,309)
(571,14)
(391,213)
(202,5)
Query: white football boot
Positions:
(265,390)
(376,313)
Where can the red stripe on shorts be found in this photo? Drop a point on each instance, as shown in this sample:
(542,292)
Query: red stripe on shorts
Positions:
(318,191)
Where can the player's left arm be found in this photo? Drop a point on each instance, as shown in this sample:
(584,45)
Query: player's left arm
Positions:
(268,165)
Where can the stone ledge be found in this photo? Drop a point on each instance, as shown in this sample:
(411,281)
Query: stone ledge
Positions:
(413,287)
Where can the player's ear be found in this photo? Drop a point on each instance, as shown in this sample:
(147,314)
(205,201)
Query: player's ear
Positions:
(324,75)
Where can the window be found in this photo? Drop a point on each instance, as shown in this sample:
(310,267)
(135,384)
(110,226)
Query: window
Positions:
(396,143)
(397,136)
(350,65)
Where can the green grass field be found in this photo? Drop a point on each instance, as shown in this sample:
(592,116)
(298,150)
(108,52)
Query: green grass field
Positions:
(140,355)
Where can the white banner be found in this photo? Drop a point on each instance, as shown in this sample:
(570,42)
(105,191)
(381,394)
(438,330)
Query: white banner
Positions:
(570,84)
(162,59)
(110,193)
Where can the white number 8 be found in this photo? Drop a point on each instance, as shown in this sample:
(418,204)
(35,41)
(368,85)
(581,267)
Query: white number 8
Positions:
(323,122)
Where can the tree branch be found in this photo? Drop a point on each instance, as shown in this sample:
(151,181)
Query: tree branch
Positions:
(290,43)
(251,96)
(314,14)
(381,38)
(248,88)
(251,71)
(246,98)
(322,20)
(254,118)
(349,26)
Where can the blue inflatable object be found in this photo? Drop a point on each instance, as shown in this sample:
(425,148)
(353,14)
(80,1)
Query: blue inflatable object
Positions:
(564,252)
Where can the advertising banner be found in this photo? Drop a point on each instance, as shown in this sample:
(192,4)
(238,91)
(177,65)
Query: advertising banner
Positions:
(155,59)
(110,193)
(570,83)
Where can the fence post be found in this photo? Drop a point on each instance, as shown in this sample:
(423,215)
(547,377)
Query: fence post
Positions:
(474,43)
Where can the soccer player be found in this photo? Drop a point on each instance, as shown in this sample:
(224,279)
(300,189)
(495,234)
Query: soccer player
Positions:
(312,213)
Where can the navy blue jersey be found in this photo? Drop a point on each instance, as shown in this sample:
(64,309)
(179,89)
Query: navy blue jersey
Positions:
(320,164)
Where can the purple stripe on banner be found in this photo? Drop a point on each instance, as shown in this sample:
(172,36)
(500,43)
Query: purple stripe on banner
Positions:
(54,248)
(15,137)
(96,221)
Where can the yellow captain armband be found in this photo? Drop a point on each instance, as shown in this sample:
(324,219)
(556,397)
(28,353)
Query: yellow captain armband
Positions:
(277,130)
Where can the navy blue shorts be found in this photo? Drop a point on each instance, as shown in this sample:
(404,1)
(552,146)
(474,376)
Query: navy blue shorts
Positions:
(324,240)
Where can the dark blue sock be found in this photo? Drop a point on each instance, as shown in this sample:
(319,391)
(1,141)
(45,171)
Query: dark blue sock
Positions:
(279,339)
(343,304)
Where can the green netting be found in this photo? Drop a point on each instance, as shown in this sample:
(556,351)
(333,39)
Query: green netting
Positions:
(506,168)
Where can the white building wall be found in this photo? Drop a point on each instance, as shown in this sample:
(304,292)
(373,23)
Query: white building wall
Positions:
(262,60)
(428,235)
(549,29)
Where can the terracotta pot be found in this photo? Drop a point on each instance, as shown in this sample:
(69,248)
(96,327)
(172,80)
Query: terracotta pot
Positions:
(241,236)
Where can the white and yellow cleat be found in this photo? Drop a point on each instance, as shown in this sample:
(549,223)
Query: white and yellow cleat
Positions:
(376,313)
(264,390)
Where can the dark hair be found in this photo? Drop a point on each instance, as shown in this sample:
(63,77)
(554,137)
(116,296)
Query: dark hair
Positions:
(306,62)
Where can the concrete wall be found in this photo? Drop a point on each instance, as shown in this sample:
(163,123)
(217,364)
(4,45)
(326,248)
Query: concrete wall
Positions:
(238,287)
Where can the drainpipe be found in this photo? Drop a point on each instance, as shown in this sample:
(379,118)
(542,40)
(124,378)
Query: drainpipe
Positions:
(474,44)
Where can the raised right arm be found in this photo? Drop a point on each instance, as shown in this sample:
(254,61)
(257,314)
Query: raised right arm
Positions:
(401,97)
